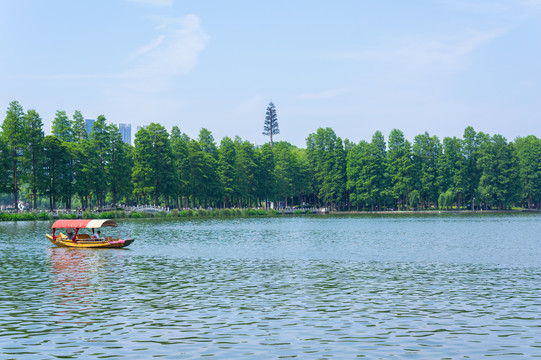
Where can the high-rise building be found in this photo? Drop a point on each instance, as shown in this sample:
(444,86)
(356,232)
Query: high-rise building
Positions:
(89,123)
(125,131)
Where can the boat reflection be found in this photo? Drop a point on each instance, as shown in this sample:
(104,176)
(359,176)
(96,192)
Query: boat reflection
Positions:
(75,280)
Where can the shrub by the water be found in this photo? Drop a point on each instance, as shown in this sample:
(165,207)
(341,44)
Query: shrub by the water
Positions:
(136,215)
(114,214)
(226,212)
(89,215)
(44,216)
(159,214)
(250,212)
(106,215)
(17,217)
(202,213)
(25,216)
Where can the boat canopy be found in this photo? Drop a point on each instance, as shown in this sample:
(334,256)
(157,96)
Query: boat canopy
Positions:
(78,224)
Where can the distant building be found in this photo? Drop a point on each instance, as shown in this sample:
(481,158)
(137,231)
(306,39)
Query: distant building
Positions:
(125,131)
(139,127)
(89,123)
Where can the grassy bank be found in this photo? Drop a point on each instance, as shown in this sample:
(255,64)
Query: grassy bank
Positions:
(120,214)
(224,213)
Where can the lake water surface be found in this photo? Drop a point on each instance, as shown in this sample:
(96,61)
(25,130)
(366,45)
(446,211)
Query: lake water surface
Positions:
(378,287)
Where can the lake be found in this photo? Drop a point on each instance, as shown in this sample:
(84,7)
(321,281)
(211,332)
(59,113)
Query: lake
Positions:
(307,287)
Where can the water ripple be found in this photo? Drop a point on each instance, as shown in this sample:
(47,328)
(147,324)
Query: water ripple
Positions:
(230,294)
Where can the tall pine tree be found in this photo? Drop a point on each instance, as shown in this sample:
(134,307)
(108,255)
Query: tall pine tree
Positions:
(270,126)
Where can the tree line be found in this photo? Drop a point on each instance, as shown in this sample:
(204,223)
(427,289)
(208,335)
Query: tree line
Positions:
(171,169)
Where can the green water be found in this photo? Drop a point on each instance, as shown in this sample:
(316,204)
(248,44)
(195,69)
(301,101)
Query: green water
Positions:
(428,287)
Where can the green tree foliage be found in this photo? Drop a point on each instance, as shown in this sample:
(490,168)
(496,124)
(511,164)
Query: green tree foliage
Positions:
(33,160)
(78,127)
(14,138)
(56,167)
(399,167)
(378,154)
(326,157)
(179,147)
(368,175)
(497,161)
(266,178)
(286,170)
(245,172)
(207,143)
(61,127)
(85,158)
(119,165)
(356,165)
(153,173)
(528,150)
(5,166)
(452,171)
(477,170)
(226,169)
(470,151)
(211,189)
(197,176)
(426,151)
(301,183)
(99,158)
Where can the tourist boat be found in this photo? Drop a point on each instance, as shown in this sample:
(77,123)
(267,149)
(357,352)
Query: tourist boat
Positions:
(83,240)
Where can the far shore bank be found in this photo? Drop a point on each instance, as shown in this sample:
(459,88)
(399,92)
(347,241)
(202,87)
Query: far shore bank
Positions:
(236,213)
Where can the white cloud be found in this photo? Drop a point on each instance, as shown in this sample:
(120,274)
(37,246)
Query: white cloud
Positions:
(153,44)
(447,53)
(440,52)
(175,52)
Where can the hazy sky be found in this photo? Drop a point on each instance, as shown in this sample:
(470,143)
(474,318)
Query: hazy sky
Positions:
(355,66)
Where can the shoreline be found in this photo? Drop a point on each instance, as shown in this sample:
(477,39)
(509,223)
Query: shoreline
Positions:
(246,213)
(433,212)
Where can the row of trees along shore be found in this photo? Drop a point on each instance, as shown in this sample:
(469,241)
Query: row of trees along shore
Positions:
(71,168)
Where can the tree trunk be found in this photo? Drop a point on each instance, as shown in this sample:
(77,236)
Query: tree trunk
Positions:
(15,188)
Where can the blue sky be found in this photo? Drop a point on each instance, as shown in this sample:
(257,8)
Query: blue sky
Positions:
(355,66)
